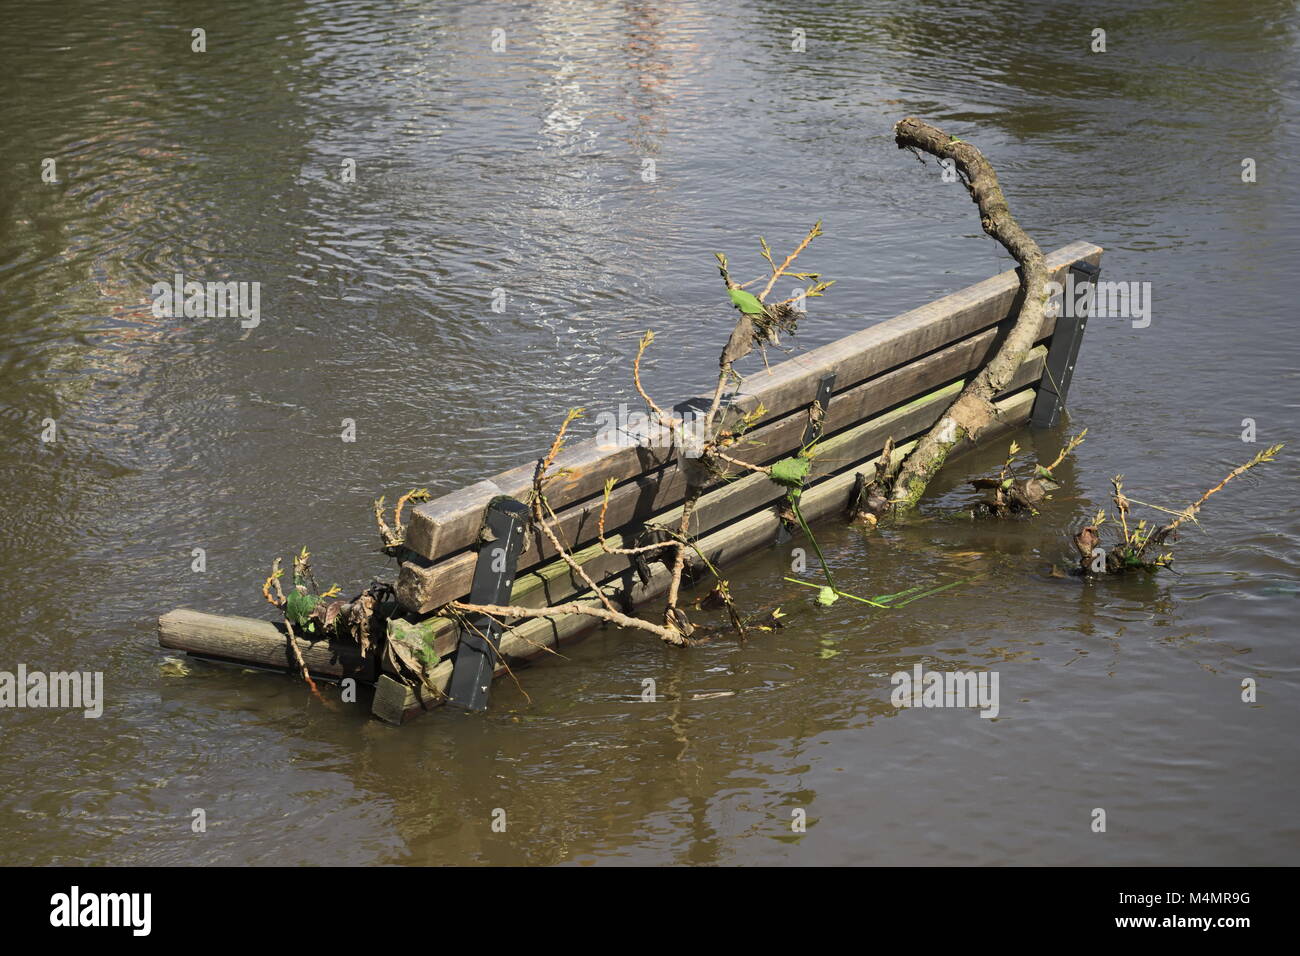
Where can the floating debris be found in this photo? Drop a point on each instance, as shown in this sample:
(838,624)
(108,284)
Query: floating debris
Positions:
(173,667)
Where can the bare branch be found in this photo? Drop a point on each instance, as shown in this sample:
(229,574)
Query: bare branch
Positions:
(973,408)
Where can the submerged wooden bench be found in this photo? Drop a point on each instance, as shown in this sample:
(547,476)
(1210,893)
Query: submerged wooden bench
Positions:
(892,379)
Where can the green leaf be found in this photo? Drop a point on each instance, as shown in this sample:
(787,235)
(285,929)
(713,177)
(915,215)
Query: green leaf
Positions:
(1042,472)
(298,606)
(1007,482)
(827,596)
(886,598)
(944,587)
(790,472)
(746,302)
(862,599)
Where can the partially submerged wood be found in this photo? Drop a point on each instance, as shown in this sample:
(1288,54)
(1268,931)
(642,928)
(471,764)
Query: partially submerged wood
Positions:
(531,639)
(892,382)
(246,640)
(396,703)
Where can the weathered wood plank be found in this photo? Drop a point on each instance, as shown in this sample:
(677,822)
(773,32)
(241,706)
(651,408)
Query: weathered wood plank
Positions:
(422,587)
(440,528)
(249,640)
(396,703)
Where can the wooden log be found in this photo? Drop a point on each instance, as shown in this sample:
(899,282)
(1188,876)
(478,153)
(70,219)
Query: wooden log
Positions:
(423,587)
(246,640)
(449,524)
(527,640)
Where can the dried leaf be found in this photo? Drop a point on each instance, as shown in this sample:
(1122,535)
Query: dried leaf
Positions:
(741,342)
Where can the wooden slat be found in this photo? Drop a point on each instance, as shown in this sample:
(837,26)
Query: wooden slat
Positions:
(396,703)
(422,588)
(251,641)
(529,639)
(440,528)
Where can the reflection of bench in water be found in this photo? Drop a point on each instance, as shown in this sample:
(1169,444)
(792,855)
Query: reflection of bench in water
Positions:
(893,379)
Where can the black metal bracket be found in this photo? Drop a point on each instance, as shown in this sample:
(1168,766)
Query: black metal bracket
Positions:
(502,535)
(1063,352)
(812,431)
(817,411)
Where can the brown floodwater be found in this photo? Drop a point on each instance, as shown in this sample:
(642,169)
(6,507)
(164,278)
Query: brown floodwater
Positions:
(526,170)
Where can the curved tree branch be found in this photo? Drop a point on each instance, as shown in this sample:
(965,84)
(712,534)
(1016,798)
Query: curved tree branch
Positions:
(973,409)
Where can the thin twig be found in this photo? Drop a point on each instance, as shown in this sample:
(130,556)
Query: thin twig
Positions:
(669,635)
(813,233)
